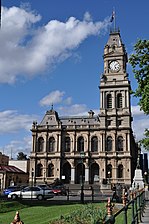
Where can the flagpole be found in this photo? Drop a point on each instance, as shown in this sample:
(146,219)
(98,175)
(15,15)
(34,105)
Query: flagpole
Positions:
(0,12)
(114,19)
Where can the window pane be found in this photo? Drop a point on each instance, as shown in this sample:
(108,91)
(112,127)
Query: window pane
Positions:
(51,144)
(80,144)
(109,101)
(120,143)
(67,144)
(94,144)
(120,171)
(50,170)
(40,144)
(119,100)
(109,143)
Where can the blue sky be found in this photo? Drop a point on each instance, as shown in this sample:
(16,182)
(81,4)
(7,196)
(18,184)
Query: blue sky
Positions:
(51,53)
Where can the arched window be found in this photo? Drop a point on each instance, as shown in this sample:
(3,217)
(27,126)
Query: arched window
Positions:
(67,144)
(40,144)
(80,144)
(109,101)
(119,100)
(120,171)
(109,143)
(51,144)
(109,171)
(50,170)
(94,144)
(120,143)
(39,170)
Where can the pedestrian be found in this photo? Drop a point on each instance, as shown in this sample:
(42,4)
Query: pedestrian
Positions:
(114,196)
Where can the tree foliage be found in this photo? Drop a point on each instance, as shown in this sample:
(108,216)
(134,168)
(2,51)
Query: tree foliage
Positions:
(21,156)
(140,64)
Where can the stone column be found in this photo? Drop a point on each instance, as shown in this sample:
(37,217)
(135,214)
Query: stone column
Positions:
(58,142)
(101,99)
(86,175)
(103,142)
(128,142)
(72,175)
(34,140)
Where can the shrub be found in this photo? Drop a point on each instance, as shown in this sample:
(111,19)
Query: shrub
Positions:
(89,214)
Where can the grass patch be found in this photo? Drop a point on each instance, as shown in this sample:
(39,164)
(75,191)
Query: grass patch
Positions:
(8,206)
(36,212)
(121,217)
(45,212)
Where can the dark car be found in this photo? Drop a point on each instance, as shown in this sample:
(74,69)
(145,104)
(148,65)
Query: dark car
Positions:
(44,186)
(59,189)
(10,189)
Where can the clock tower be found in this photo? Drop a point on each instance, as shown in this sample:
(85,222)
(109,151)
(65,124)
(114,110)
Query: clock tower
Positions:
(115,108)
(114,84)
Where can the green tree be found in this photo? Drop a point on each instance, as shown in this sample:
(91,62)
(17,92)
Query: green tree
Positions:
(21,156)
(140,64)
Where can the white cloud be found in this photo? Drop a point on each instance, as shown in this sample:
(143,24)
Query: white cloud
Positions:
(52,98)
(140,122)
(139,125)
(136,111)
(13,125)
(27,51)
(11,121)
(68,101)
(75,109)
(87,17)
(16,146)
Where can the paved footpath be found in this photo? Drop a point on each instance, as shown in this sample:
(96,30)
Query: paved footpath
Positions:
(145,218)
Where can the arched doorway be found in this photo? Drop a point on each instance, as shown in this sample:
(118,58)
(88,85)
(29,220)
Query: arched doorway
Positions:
(66,172)
(94,173)
(80,173)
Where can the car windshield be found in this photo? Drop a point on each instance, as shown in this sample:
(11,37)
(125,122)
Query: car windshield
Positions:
(31,189)
(11,187)
(44,186)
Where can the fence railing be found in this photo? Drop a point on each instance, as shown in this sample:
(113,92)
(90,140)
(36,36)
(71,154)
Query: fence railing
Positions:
(135,206)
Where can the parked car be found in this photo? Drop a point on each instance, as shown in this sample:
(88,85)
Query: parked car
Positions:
(44,186)
(59,189)
(10,189)
(32,193)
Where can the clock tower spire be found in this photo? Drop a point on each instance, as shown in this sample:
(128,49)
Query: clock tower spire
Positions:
(115,57)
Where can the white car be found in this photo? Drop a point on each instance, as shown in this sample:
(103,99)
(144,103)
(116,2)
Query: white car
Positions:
(32,193)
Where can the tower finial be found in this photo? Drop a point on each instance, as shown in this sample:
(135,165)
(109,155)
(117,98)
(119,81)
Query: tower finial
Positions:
(113,18)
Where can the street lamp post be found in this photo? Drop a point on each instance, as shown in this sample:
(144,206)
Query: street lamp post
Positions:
(32,184)
(145,177)
(32,174)
(44,176)
(109,177)
(82,154)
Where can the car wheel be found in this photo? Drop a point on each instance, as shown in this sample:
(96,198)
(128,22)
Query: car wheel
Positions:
(14,196)
(40,197)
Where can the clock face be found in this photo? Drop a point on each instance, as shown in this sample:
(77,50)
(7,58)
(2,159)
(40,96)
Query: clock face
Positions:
(115,66)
